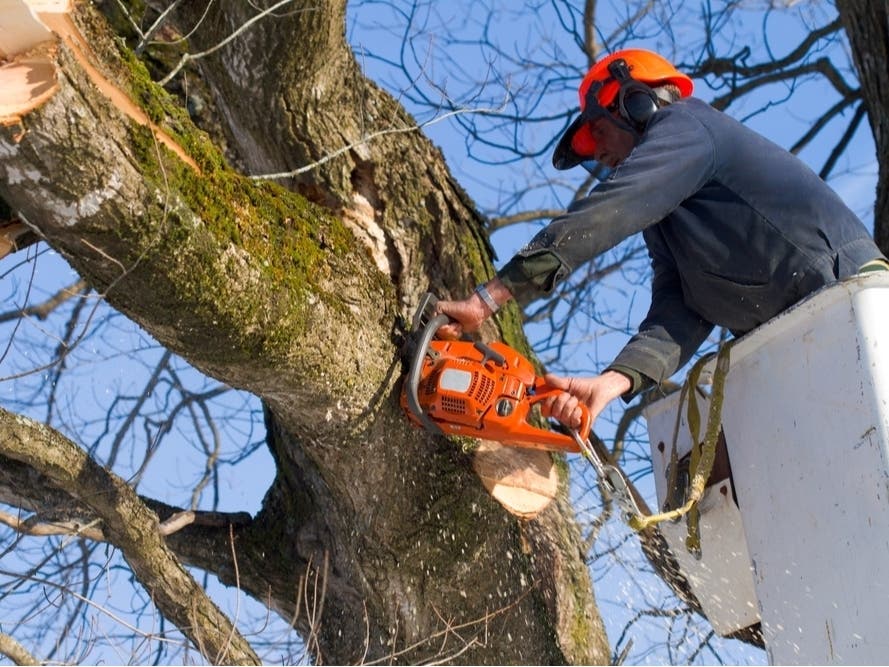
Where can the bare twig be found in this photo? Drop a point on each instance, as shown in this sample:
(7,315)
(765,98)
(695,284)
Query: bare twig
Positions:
(481,621)
(367,139)
(223,653)
(27,527)
(177,522)
(158,23)
(43,310)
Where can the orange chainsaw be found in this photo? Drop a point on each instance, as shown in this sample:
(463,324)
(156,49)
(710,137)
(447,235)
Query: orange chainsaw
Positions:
(469,388)
(488,391)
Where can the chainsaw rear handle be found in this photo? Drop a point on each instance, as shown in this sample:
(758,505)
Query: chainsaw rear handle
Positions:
(545,391)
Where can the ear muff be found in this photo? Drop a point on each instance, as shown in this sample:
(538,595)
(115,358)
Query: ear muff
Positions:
(637,104)
(636,101)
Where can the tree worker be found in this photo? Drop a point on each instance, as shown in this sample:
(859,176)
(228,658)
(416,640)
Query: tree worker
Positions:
(737,228)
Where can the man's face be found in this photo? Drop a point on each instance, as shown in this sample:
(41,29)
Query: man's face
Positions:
(613,142)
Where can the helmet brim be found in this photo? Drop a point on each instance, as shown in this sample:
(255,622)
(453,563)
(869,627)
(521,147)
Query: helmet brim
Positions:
(578,144)
(565,156)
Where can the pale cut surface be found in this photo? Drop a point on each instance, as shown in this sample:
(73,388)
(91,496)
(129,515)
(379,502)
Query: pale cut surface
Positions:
(523,480)
(26,83)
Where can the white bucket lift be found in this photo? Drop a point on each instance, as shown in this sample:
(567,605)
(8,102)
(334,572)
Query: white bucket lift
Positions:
(806,422)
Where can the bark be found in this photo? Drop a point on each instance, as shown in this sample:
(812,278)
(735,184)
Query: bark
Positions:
(15,651)
(867,27)
(298,298)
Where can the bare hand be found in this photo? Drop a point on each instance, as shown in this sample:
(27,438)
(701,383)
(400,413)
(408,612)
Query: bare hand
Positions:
(595,392)
(466,316)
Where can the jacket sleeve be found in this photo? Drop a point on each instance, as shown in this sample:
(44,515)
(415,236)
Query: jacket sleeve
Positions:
(670,333)
(672,161)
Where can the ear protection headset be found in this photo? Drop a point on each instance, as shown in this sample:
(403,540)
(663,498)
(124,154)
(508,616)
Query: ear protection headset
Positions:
(635,101)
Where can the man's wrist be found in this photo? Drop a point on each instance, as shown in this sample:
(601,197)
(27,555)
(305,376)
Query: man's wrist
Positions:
(619,383)
(639,382)
(493,294)
(487,298)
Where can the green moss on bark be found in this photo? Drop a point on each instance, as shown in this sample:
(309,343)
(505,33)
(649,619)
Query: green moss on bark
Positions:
(225,234)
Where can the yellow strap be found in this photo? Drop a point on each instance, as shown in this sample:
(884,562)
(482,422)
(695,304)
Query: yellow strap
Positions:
(692,517)
(673,465)
(878,264)
(701,464)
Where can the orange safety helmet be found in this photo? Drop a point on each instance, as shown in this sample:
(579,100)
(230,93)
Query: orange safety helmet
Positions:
(621,82)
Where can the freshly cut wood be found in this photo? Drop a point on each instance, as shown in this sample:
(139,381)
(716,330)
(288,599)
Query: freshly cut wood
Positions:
(27,49)
(27,82)
(9,237)
(524,481)
(63,26)
(29,32)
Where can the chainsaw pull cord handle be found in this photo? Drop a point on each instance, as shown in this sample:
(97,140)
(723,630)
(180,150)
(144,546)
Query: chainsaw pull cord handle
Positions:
(413,378)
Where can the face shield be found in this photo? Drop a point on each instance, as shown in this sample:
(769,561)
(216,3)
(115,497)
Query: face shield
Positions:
(577,145)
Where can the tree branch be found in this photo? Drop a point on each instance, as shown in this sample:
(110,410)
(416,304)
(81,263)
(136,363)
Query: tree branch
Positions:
(15,651)
(42,310)
(133,528)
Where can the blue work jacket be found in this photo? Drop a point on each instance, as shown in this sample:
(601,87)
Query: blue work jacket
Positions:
(738,229)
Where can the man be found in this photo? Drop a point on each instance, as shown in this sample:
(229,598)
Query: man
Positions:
(737,228)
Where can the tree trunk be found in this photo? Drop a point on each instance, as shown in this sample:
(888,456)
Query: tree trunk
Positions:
(867,26)
(299,298)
